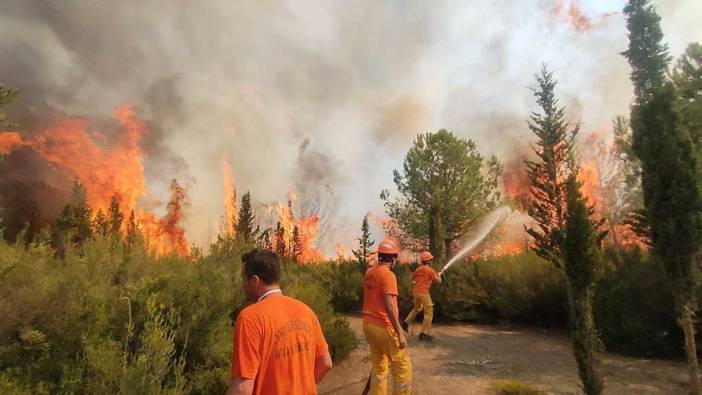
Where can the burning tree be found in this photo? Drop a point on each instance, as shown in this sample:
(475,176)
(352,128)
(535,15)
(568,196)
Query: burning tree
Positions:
(565,233)
(445,186)
(670,167)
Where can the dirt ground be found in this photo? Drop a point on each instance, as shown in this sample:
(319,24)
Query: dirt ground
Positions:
(463,359)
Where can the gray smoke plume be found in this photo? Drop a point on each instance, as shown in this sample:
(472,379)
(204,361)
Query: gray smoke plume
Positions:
(323,96)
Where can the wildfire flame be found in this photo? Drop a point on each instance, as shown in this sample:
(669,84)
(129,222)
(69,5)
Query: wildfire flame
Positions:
(228,222)
(107,172)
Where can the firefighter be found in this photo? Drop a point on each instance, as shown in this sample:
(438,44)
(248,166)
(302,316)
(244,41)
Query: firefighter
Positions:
(279,347)
(422,278)
(381,325)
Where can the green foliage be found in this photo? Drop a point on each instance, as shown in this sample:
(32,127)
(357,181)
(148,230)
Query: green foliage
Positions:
(114,318)
(522,289)
(635,311)
(245,224)
(101,226)
(583,264)
(365,244)
(513,387)
(445,186)
(549,172)
(687,77)
(669,161)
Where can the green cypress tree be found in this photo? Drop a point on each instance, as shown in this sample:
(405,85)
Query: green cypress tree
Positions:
(583,263)
(365,244)
(115,217)
(669,168)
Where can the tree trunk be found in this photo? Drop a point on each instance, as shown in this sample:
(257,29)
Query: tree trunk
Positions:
(688,327)
(587,347)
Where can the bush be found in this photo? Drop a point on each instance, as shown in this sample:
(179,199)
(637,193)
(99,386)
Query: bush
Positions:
(107,320)
(635,312)
(523,289)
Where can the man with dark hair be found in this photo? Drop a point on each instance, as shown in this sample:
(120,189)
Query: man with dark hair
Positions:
(381,325)
(279,347)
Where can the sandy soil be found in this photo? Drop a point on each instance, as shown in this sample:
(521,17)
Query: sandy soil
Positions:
(463,359)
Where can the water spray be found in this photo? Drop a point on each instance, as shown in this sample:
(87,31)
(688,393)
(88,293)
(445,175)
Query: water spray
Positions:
(486,225)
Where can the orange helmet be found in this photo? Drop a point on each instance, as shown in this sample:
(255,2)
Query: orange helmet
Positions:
(426,256)
(388,246)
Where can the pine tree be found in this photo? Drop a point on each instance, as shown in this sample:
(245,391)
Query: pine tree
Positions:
(296,245)
(365,243)
(548,174)
(669,168)
(115,217)
(583,263)
(245,225)
(101,226)
(132,231)
(280,248)
(81,214)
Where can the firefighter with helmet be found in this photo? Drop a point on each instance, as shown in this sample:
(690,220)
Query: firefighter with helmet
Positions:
(422,278)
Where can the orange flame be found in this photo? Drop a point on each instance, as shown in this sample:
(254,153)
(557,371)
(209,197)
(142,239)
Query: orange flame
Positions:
(107,172)
(307,228)
(8,141)
(229,221)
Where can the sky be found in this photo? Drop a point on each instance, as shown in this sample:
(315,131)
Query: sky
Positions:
(321,96)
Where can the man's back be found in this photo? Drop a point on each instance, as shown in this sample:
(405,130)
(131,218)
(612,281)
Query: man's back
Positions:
(423,277)
(379,281)
(276,343)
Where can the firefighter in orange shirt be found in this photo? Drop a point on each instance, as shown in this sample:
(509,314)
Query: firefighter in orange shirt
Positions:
(279,347)
(423,277)
(381,325)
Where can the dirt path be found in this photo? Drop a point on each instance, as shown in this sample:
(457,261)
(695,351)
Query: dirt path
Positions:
(463,359)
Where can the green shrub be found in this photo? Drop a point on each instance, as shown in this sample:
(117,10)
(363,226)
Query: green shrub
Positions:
(634,312)
(107,320)
(523,289)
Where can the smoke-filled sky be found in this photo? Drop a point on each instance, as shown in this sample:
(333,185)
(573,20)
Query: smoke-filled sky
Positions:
(325,95)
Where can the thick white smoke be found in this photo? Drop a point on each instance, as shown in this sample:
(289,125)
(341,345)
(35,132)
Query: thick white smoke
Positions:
(353,81)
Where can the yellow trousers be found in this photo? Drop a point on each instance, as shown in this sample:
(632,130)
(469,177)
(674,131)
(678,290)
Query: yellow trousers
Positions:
(422,302)
(384,349)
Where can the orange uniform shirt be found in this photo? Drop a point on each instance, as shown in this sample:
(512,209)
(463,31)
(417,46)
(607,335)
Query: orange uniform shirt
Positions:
(276,342)
(423,277)
(379,281)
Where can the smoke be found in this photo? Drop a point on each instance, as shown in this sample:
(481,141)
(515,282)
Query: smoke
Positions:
(322,96)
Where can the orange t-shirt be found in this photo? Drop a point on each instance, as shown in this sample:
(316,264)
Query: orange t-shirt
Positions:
(276,342)
(423,277)
(379,281)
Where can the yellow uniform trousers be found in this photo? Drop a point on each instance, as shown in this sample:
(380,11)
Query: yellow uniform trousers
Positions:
(422,302)
(384,349)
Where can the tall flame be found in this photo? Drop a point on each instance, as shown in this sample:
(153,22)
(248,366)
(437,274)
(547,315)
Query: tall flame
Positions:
(107,172)
(229,220)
